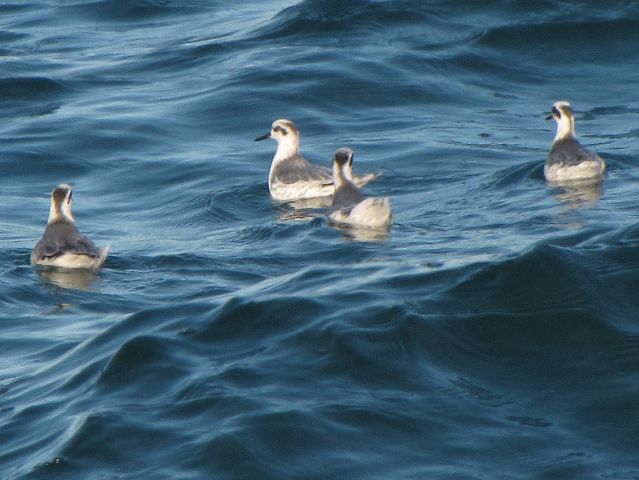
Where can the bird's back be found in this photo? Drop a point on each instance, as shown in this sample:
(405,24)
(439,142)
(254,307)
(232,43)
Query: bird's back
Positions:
(298,169)
(346,195)
(372,212)
(60,238)
(568,151)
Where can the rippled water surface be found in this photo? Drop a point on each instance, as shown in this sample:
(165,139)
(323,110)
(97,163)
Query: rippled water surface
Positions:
(492,334)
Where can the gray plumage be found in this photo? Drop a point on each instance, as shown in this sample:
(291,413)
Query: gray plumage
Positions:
(62,237)
(298,169)
(62,245)
(568,151)
(346,195)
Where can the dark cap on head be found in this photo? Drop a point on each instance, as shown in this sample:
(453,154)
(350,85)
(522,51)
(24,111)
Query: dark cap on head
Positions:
(343,155)
(560,109)
(61,193)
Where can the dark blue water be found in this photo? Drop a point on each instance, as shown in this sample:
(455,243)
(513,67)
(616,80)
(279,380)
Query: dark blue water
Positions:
(494,334)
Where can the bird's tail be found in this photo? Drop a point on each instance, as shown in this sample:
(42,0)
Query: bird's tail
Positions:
(104,252)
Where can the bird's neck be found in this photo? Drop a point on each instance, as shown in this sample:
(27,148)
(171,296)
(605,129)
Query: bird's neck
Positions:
(286,148)
(340,178)
(565,128)
(60,213)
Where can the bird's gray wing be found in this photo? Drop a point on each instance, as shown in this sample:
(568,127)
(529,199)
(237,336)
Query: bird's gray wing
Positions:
(569,151)
(323,174)
(298,169)
(60,238)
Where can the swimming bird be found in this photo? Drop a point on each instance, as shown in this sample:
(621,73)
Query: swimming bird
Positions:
(567,159)
(62,245)
(291,176)
(350,206)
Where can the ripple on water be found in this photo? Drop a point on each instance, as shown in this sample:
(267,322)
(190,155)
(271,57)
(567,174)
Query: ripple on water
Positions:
(230,336)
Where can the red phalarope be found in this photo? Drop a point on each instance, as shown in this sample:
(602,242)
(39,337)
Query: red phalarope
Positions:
(350,206)
(291,176)
(567,159)
(62,245)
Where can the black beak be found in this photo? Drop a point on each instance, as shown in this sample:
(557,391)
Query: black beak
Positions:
(549,117)
(263,137)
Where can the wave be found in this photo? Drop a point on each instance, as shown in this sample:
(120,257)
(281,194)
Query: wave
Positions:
(31,96)
(135,10)
(617,35)
(28,88)
(321,17)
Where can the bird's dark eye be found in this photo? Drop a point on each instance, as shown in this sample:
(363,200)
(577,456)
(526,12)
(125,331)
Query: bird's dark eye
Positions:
(280,129)
(556,112)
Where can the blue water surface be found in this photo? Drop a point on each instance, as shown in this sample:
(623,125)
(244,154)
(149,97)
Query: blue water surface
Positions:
(492,334)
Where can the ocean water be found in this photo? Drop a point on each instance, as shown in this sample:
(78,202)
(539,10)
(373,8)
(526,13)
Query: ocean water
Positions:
(492,334)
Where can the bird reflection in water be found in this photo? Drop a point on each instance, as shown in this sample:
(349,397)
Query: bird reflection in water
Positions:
(577,194)
(362,234)
(304,209)
(70,278)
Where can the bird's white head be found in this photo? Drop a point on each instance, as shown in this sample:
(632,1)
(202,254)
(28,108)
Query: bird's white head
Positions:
(565,118)
(61,200)
(343,166)
(287,137)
